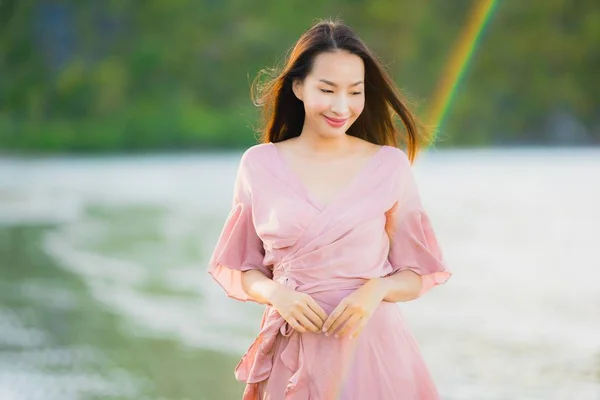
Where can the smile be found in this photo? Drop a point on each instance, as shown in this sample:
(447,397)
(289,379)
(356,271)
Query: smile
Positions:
(335,122)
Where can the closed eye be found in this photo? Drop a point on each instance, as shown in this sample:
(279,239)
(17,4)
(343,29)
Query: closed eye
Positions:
(331,91)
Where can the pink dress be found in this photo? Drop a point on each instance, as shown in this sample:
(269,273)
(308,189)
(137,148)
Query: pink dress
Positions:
(328,252)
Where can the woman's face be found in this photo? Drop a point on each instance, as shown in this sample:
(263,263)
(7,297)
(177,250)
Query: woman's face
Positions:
(333,93)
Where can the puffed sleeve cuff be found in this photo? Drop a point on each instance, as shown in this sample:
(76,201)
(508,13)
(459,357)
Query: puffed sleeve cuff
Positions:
(414,247)
(238,249)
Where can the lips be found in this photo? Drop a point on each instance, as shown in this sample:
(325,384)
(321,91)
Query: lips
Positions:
(335,122)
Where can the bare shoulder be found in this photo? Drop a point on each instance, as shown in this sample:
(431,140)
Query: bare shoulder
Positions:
(394,155)
(363,148)
(363,145)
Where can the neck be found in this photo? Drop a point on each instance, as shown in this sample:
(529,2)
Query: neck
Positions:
(320,145)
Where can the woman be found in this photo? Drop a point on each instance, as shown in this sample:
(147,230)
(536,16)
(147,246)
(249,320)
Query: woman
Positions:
(328,231)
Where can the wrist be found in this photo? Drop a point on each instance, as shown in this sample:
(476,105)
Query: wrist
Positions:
(274,292)
(380,286)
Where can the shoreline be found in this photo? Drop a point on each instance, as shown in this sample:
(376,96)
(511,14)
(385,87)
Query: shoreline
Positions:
(56,336)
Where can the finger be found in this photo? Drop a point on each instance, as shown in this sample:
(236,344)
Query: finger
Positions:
(333,316)
(296,325)
(350,325)
(317,309)
(306,323)
(340,321)
(313,317)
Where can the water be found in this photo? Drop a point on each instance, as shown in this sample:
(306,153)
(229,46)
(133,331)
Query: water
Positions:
(104,295)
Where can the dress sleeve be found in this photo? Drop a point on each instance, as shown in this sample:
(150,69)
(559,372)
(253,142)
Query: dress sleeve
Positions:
(413,243)
(238,248)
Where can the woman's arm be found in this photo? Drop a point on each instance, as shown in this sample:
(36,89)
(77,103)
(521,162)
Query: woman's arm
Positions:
(401,286)
(357,308)
(300,310)
(258,286)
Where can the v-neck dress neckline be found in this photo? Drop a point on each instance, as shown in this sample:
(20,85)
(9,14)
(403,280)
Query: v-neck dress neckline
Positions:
(307,195)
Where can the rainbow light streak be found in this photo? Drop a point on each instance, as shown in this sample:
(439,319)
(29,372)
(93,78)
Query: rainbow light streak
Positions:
(459,60)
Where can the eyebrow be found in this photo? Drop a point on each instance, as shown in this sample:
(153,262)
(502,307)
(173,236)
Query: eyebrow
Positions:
(334,85)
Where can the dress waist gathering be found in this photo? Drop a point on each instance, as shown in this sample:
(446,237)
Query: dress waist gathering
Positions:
(256,364)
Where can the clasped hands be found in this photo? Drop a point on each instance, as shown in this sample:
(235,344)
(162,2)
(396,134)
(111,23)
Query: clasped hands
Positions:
(349,318)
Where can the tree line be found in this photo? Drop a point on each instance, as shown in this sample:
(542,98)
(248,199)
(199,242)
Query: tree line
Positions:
(86,76)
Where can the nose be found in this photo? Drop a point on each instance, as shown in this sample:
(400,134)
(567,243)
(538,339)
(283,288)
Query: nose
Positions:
(340,105)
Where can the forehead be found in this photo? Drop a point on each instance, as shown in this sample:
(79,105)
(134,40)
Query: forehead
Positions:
(340,67)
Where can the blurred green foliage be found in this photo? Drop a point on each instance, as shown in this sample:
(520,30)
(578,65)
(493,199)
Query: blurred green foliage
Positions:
(131,76)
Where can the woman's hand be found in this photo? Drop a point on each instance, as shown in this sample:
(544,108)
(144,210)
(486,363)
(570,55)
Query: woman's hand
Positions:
(355,310)
(300,310)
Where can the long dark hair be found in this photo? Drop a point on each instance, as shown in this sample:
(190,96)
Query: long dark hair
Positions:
(283,112)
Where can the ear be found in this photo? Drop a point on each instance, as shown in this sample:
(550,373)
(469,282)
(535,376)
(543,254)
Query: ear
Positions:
(297,89)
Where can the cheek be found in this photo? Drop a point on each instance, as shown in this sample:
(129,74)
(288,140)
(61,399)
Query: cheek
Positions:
(316,103)
(357,105)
